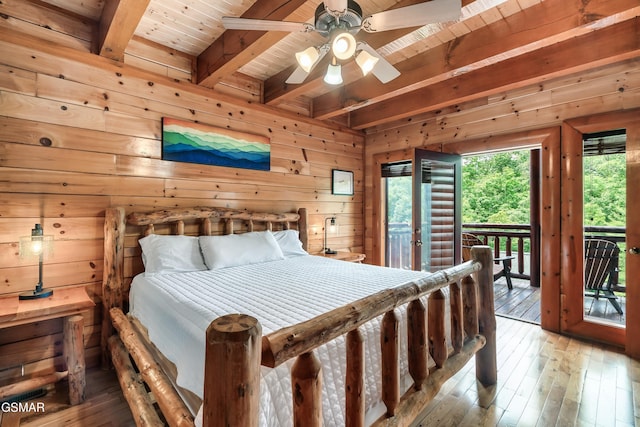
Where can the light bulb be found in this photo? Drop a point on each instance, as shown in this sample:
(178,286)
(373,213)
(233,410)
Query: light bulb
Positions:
(36,246)
(343,46)
(307,58)
(366,62)
(334,73)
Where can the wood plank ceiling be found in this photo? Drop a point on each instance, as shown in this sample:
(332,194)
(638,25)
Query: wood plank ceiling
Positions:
(496,45)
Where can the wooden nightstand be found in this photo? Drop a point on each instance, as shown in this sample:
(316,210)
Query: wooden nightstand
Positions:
(345,256)
(67,303)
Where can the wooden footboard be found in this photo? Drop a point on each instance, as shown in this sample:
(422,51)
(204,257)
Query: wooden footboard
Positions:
(236,349)
(234,352)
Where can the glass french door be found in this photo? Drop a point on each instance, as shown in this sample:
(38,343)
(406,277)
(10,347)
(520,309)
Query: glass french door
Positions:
(423,215)
(615,319)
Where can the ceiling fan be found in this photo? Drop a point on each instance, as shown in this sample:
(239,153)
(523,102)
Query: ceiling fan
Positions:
(339,21)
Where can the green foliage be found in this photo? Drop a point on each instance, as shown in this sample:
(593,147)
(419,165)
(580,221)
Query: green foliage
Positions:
(399,200)
(605,190)
(495,188)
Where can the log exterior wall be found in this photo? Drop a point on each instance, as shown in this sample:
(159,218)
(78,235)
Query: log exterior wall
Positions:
(80,133)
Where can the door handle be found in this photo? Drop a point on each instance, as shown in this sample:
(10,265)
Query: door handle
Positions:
(418,243)
(634,251)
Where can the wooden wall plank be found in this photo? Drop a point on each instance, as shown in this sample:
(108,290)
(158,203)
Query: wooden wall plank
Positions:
(52,182)
(33,133)
(18,205)
(49,158)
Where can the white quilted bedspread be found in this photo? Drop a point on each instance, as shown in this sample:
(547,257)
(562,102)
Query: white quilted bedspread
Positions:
(178,308)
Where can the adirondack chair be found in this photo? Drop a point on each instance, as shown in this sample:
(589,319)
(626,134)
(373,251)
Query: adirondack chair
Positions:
(600,263)
(502,266)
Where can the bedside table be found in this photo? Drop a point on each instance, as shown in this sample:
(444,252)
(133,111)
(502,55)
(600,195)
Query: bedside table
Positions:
(345,256)
(66,303)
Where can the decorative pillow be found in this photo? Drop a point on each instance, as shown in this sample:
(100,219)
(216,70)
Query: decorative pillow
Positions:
(239,249)
(289,242)
(171,254)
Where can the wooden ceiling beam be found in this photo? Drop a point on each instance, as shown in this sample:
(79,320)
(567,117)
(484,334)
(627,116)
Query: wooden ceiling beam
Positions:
(599,47)
(234,48)
(541,25)
(118,23)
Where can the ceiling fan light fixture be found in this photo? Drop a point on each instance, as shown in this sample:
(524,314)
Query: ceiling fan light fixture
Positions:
(307,58)
(366,61)
(334,73)
(343,45)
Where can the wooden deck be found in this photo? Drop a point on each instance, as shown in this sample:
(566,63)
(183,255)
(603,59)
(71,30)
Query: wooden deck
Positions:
(523,303)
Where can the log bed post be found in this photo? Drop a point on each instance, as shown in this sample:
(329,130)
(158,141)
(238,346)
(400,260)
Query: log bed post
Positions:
(232,372)
(113,274)
(437,335)
(486,365)
(354,381)
(390,366)
(74,357)
(470,306)
(417,347)
(457,332)
(306,385)
(302,228)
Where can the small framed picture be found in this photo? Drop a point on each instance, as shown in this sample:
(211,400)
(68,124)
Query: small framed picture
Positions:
(342,182)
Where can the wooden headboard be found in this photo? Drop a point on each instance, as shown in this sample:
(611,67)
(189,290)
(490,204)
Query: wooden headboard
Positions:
(122,254)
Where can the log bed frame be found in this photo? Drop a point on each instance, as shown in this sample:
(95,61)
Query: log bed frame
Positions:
(236,348)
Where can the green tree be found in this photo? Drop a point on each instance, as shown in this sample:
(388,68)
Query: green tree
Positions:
(495,188)
(605,190)
(399,199)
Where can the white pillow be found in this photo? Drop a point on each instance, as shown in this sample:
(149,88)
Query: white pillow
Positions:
(289,242)
(171,254)
(239,249)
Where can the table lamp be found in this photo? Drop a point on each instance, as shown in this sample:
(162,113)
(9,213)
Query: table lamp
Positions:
(41,246)
(332,226)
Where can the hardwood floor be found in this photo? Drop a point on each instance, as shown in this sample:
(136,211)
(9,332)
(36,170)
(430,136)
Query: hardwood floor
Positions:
(104,406)
(544,379)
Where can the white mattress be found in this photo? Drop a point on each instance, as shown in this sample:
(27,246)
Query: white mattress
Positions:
(177,309)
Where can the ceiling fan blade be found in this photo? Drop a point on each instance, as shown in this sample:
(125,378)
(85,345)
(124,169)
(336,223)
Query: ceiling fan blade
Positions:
(232,23)
(383,70)
(417,15)
(299,74)
(336,7)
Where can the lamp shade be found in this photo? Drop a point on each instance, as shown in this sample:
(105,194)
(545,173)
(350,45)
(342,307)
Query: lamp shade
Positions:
(40,246)
(37,244)
(366,62)
(307,58)
(331,226)
(343,45)
(334,73)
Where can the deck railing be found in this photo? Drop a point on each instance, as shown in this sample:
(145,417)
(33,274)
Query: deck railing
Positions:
(505,239)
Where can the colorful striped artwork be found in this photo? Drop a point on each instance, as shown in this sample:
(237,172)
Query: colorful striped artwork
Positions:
(190,142)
